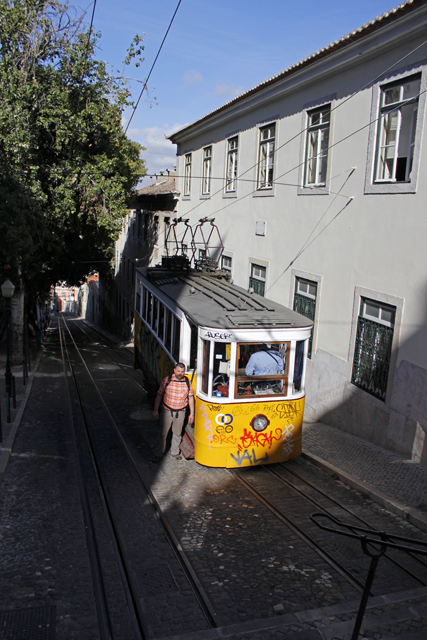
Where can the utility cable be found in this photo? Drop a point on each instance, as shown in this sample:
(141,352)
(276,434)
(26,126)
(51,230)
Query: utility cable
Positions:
(152,67)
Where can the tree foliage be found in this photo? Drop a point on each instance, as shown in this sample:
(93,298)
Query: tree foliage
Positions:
(66,167)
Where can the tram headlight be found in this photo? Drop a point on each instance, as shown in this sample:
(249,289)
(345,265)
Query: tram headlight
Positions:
(259,422)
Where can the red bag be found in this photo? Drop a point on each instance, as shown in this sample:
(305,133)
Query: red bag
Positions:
(187,444)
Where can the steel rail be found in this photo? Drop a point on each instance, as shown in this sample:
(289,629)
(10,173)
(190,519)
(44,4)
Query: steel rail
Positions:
(350,512)
(196,586)
(300,533)
(101,599)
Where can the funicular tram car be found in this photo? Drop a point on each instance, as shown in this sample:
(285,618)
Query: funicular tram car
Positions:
(245,415)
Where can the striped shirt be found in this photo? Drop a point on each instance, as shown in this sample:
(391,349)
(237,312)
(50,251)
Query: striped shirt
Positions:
(176,393)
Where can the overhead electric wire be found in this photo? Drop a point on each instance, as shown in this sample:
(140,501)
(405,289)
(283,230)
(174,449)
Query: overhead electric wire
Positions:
(152,67)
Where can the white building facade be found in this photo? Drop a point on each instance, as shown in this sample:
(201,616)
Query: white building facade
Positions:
(316,179)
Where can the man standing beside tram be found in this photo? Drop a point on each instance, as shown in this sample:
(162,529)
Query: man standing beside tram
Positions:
(175,395)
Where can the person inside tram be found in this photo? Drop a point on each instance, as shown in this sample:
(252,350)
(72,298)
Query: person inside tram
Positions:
(265,362)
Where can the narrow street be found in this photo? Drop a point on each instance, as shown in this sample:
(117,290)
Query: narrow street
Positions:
(98,542)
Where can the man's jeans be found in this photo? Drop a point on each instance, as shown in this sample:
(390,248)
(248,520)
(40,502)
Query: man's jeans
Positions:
(169,420)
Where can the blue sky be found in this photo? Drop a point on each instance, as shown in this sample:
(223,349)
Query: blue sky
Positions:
(215,50)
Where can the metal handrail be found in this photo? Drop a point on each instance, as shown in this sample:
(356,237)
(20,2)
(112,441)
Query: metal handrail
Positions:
(374,544)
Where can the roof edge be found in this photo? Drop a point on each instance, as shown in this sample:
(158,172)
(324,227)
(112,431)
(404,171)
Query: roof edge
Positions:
(361,32)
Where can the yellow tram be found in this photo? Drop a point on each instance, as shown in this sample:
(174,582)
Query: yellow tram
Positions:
(245,357)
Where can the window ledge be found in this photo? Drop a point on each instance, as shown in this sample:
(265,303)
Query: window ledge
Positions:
(263,193)
(390,187)
(229,194)
(313,191)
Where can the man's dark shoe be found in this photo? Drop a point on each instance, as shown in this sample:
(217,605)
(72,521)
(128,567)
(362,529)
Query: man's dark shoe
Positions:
(177,457)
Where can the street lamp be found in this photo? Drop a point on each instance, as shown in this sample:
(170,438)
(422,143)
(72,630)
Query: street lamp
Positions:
(7,290)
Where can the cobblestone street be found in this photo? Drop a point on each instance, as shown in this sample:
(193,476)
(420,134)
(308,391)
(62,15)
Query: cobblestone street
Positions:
(265,582)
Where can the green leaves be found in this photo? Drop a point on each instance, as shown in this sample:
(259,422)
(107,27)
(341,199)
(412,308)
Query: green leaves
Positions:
(66,166)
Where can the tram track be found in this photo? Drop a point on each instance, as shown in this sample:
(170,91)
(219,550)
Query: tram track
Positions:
(130,581)
(359,520)
(308,533)
(179,516)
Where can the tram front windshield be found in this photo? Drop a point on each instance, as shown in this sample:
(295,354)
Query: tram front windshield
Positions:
(262,369)
(253,369)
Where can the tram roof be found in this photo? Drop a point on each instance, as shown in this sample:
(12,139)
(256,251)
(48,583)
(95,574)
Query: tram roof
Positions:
(210,300)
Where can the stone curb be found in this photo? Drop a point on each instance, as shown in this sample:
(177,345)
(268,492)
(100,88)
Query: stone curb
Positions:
(6,449)
(414,516)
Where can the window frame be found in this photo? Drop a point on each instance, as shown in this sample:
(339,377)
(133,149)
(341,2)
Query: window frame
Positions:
(187,174)
(227,268)
(385,110)
(232,156)
(373,186)
(297,274)
(387,300)
(313,297)
(318,128)
(373,350)
(267,184)
(254,278)
(206,170)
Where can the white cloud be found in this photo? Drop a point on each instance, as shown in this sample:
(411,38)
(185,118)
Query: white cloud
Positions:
(226,89)
(160,153)
(192,78)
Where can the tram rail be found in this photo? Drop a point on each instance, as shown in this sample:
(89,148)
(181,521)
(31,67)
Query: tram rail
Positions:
(419,560)
(126,563)
(174,531)
(303,532)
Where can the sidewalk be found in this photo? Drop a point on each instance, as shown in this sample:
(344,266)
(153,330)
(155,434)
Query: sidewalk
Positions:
(389,479)
(9,429)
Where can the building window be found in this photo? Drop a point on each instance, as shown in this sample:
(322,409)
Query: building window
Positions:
(397,125)
(266,156)
(226,264)
(231,180)
(206,173)
(374,338)
(258,278)
(305,302)
(316,155)
(187,174)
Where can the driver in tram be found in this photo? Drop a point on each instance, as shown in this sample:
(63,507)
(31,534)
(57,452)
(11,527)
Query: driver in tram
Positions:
(265,362)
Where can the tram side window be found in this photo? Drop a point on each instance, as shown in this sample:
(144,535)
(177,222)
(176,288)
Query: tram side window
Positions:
(176,338)
(193,346)
(138,296)
(149,306)
(205,365)
(143,301)
(262,369)
(299,365)
(168,330)
(161,321)
(154,319)
(221,369)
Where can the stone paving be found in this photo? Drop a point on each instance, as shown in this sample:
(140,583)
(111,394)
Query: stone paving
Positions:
(393,481)
(49,571)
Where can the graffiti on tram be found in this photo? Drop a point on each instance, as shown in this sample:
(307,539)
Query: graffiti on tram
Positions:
(252,447)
